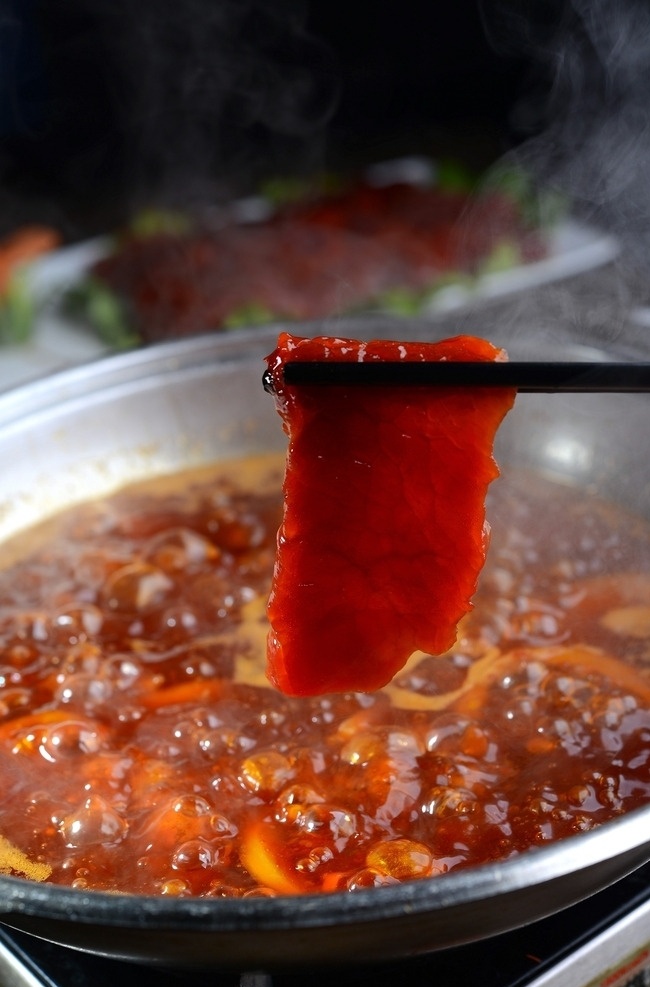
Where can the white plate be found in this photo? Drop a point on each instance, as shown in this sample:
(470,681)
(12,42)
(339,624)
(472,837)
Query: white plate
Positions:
(573,248)
(58,342)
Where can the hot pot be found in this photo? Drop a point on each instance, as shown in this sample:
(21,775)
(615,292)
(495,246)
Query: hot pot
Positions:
(158,410)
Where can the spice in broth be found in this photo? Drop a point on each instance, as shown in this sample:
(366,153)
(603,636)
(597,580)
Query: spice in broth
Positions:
(142,749)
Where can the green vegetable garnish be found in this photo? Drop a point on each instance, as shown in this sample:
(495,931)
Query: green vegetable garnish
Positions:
(252,314)
(97,304)
(453,176)
(151,222)
(539,208)
(286,191)
(504,256)
(17,311)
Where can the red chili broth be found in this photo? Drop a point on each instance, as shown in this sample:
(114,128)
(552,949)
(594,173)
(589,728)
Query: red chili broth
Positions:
(143,751)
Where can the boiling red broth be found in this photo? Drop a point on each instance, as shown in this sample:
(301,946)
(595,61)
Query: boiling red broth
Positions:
(142,750)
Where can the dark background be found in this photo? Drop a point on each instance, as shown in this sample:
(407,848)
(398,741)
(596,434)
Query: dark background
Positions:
(107,106)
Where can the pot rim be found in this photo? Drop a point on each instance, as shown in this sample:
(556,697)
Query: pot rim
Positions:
(527,871)
(624,841)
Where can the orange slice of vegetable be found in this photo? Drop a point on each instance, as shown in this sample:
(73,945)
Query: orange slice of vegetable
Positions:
(262,856)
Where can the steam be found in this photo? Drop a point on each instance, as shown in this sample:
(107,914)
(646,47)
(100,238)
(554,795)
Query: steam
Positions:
(223,92)
(587,110)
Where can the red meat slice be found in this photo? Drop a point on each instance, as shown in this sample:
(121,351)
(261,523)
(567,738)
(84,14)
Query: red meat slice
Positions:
(384,531)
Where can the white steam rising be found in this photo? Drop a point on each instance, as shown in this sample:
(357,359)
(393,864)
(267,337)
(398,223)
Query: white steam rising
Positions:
(588,108)
(217,91)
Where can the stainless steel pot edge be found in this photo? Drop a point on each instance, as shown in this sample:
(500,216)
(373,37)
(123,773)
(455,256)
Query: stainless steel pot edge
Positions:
(553,876)
(623,838)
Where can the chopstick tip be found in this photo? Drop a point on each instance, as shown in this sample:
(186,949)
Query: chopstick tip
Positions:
(268,382)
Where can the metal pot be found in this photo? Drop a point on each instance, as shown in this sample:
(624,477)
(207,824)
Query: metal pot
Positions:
(158,410)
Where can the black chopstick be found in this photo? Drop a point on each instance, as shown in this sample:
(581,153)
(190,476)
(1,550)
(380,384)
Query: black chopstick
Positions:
(532,377)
